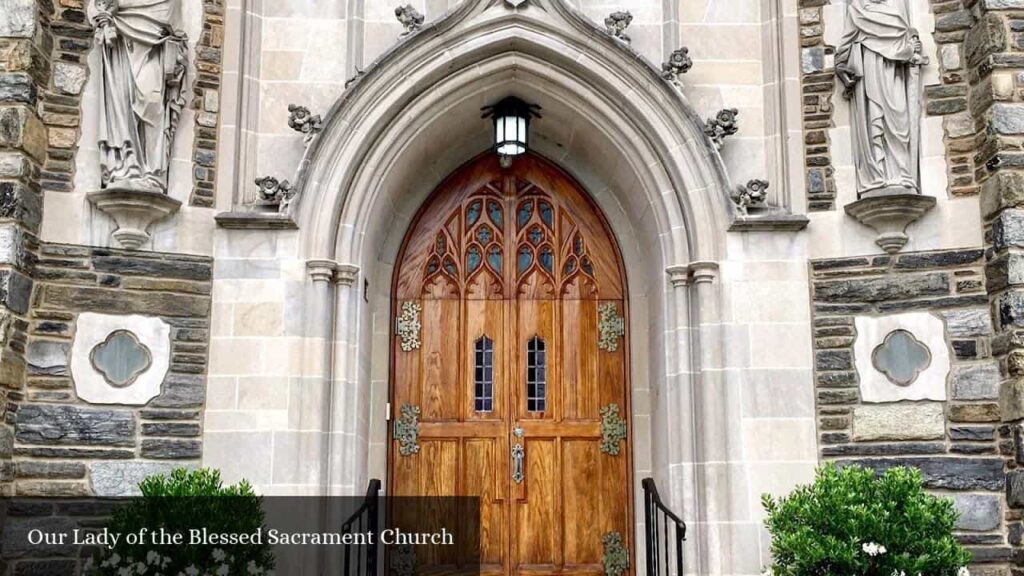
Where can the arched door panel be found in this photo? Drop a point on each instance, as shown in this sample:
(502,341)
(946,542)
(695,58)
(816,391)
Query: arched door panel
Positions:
(510,350)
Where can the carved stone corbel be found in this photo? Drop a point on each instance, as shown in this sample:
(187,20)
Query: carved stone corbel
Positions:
(890,215)
(134,211)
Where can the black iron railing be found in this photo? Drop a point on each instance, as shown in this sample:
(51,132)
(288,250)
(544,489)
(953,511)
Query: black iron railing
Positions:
(665,533)
(362,560)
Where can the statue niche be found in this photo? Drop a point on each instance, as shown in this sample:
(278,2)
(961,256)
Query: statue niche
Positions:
(879,62)
(142,89)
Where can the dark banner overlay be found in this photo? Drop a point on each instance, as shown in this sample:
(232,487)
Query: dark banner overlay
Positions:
(243,536)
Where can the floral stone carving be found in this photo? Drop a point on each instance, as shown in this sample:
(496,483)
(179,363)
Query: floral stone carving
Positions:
(616,557)
(754,194)
(901,357)
(303,121)
(723,124)
(679,63)
(613,429)
(610,327)
(409,326)
(616,24)
(276,193)
(121,358)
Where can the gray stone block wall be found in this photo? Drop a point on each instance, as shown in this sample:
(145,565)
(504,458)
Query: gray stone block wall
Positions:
(63,445)
(959,444)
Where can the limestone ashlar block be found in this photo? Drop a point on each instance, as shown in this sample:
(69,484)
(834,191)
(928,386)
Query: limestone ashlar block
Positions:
(74,425)
(904,421)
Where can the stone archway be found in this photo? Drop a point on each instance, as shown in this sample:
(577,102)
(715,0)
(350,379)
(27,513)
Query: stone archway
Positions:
(622,130)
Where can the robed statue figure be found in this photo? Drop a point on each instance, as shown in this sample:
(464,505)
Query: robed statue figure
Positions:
(144,61)
(879,63)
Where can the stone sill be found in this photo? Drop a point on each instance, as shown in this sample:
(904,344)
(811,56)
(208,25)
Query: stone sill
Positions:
(770,223)
(255,221)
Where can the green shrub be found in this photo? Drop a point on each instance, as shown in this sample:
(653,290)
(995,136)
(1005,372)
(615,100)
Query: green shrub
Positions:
(851,522)
(178,503)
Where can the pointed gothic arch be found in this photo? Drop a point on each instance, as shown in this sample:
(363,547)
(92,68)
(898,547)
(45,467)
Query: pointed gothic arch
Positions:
(627,134)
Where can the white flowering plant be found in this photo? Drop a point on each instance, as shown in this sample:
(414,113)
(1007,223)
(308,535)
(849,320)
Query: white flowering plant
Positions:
(176,503)
(855,522)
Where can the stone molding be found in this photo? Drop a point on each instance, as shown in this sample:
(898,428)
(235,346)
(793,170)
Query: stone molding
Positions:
(249,220)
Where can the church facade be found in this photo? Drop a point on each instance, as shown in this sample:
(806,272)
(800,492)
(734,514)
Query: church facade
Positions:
(531,250)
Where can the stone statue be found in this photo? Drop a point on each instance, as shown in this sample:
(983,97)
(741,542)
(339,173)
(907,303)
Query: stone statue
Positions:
(142,91)
(878,62)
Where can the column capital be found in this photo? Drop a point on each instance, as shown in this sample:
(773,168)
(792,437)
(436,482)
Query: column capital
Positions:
(704,272)
(321,270)
(679,276)
(346,274)
(684,275)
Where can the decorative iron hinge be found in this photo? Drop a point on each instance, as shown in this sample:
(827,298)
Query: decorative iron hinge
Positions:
(611,327)
(616,558)
(407,430)
(409,326)
(613,429)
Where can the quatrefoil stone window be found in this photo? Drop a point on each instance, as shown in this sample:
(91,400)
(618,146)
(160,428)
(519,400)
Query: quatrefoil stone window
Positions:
(901,357)
(121,358)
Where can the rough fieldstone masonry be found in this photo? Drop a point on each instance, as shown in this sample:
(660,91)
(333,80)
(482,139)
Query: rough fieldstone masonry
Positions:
(66,446)
(206,101)
(956,438)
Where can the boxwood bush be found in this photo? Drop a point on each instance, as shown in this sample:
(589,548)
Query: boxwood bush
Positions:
(184,500)
(851,521)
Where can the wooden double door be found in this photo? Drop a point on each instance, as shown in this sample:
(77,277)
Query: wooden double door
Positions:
(510,368)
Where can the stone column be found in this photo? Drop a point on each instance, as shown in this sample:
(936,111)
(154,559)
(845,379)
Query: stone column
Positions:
(319,317)
(992,50)
(682,451)
(24,73)
(347,406)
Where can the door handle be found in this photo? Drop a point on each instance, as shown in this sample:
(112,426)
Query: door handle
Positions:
(518,455)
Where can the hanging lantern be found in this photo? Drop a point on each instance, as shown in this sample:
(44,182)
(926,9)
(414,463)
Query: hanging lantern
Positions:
(511,125)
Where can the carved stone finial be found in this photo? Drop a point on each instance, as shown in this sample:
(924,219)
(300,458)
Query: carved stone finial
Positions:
(303,121)
(275,193)
(722,125)
(679,63)
(617,22)
(410,18)
(754,194)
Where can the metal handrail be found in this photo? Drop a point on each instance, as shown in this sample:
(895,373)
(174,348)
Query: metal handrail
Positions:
(363,520)
(658,520)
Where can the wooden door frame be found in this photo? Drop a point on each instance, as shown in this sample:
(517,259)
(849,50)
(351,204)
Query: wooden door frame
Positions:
(631,536)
